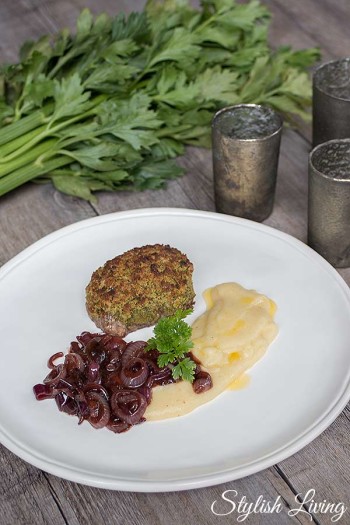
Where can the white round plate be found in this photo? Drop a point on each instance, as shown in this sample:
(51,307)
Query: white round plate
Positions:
(295,392)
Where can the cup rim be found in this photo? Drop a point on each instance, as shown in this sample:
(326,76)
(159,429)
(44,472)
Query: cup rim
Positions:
(318,69)
(319,146)
(258,139)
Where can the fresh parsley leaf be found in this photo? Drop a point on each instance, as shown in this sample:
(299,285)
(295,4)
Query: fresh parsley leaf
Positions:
(184,370)
(172,339)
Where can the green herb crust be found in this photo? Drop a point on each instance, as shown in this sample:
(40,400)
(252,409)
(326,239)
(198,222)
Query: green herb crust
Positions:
(139,287)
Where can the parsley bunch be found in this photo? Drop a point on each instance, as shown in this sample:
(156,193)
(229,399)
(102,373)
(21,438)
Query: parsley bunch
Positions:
(111,106)
(172,339)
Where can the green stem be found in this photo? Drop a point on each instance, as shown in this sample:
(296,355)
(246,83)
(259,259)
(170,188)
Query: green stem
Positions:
(41,136)
(51,131)
(19,177)
(30,156)
(62,61)
(19,128)
(170,132)
(15,144)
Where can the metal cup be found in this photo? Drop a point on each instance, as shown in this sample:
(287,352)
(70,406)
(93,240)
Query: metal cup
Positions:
(331,101)
(246,141)
(329,201)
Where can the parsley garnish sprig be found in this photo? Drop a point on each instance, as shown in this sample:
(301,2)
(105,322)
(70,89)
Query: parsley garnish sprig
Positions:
(172,339)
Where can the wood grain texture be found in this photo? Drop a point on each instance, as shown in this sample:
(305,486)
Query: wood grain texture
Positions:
(29,496)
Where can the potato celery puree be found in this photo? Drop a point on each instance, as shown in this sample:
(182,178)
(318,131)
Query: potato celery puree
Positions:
(229,338)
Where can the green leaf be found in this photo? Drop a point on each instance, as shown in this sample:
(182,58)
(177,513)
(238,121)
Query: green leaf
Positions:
(41,47)
(131,120)
(94,156)
(244,59)
(219,5)
(165,359)
(172,339)
(297,84)
(259,79)
(61,43)
(167,80)
(287,105)
(222,36)
(84,25)
(184,370)
(105,77)
(218,84)
(135,27)
(182,95)
(245,16)
(108,180)
(167,148)
(168,14)
(74,186)
(172,334)
(120,48)
(181,47)
(213,56)
(153,175)
(102,25)
(300,59)
(36,92)
(70,98)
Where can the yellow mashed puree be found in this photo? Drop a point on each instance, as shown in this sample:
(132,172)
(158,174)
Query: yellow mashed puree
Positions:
(229,338)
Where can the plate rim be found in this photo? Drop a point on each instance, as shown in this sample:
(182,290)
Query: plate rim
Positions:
(198,481)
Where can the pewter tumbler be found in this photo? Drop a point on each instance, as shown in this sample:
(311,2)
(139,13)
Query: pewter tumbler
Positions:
(331,101)
(329,201)
(245,141)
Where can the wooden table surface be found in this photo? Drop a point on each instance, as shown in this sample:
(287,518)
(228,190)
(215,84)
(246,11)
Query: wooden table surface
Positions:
(29,496)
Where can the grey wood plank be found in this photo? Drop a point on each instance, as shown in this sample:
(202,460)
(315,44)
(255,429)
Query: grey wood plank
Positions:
(323,466)
(25,496)
(323,23)
(94,506)
(33,211)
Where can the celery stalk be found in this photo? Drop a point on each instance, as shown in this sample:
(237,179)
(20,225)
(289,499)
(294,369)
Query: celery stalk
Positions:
(46,147)
(27,173)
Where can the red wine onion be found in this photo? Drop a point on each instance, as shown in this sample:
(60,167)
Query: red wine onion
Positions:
(56,374)
(128,405)
(74,361)
(42,392)
(108,382)
(202,382)
(50,363)
(99,409)
(133,349)
(117,425)
(134,372)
